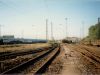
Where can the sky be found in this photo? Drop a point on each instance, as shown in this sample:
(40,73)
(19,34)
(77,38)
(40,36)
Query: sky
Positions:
(27,18)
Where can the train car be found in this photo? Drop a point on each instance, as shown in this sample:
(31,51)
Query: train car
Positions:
(20,41)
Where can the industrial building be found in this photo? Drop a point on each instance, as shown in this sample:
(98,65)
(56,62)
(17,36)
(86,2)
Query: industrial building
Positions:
(10,39)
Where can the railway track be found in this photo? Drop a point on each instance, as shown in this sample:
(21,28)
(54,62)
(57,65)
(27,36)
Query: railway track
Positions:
(5,65)
(15,54)
(36,65)
(92,57)
(86,52)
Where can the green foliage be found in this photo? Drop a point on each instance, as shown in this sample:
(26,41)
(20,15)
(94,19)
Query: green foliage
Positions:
(94,32)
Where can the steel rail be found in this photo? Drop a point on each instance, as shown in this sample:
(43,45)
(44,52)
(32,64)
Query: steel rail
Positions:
(21,67)
(14,55)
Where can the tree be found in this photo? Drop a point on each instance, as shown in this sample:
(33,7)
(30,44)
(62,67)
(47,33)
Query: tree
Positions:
(94,32)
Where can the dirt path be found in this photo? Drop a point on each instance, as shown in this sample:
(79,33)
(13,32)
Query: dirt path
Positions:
(65,63)
(76,64)
(70,66)
(71,61)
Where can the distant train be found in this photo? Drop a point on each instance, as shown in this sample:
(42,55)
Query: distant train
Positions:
(21,41)
(67,41)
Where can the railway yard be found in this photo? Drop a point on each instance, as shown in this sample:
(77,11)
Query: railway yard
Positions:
(50,37)
(81,60)
(63,59)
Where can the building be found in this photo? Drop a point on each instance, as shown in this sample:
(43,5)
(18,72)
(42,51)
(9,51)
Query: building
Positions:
(8,38)
(73,39)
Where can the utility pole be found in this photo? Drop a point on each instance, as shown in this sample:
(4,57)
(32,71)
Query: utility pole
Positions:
(83,29)
(0,30)
(66,27)
(98,20)
(33,31)
(80,32)
(47,29)
(35,37)
(52,31)
(22,33)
